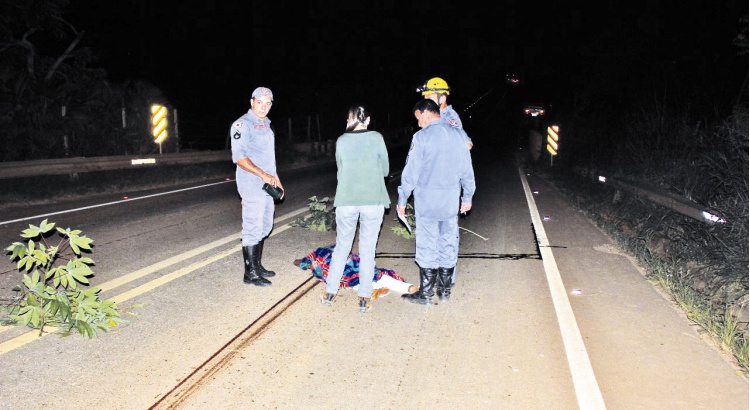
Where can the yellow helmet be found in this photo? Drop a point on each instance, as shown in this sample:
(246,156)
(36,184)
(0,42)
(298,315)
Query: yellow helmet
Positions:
(434,85)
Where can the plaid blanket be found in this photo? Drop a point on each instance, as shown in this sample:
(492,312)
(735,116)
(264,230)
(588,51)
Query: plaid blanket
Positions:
(318,261)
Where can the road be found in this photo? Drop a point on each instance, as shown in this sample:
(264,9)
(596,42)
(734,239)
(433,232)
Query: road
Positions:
(549,317)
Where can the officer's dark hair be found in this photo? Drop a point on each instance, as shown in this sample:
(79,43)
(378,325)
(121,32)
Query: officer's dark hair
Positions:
(359,113)
(426,105)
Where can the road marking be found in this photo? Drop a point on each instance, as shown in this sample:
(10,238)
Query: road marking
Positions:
(121,201)
(163,280)
(183,271)
(27,337)
(32,335)
(587,388)
(191,253)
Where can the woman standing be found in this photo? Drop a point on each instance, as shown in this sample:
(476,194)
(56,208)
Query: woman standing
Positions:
(362,162)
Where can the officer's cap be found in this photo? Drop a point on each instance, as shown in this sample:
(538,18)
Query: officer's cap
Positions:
(262,91)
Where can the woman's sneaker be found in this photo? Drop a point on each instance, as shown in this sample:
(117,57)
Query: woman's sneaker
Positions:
(327,298)
(365,305)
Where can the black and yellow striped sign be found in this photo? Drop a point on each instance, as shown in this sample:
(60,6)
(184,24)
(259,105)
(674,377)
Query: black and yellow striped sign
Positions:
(553,135)
(159,122)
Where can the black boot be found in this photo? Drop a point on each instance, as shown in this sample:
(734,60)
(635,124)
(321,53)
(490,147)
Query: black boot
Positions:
(251,269)
(445,276)
(423,296)
(261,270)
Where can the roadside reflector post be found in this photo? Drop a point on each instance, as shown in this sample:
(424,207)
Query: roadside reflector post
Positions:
(159,123)
(553,136)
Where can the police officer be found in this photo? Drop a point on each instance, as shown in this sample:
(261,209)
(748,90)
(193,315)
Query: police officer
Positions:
(254,153)
(438,172)
(438,90)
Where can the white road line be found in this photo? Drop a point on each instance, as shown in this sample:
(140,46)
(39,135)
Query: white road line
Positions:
(587,388)
(122,201)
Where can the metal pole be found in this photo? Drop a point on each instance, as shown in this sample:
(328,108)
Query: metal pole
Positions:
(317,119)
(123,113)
(309,126)
(176,132)
(66,147)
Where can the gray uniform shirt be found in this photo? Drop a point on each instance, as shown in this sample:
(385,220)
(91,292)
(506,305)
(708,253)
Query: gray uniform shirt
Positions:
(437,168)
(253,138)
(450,116)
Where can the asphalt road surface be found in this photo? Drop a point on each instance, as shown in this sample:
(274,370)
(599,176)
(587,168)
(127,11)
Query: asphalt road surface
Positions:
(546,313)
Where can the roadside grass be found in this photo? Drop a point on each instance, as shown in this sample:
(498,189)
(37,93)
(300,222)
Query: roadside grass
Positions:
(702,266)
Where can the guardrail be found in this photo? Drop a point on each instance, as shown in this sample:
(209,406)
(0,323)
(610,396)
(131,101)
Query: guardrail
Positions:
(669,200)
(75,165)
(79,165)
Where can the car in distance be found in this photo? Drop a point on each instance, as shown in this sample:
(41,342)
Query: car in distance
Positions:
(533,110)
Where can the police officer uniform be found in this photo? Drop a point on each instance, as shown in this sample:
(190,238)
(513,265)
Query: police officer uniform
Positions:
(438,167)
(253,138)
(450,116)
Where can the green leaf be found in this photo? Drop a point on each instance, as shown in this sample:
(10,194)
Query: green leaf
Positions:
(31,232)
(41,257)
(80,275)
(35,277)
(52,308)
(29,263)
(18,250)
(46,227)
(36,314)
(87,261)
(91,292)
(50,273)
(24,316)
(31,301)
(50,292)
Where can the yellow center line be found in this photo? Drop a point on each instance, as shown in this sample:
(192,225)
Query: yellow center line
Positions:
(163,280)
(32,335)
(122,280)
(27,337)
(183,271)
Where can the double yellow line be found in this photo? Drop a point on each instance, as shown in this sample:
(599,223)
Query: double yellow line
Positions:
(32,335)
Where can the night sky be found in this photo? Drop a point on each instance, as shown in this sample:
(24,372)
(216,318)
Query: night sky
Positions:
(208,56)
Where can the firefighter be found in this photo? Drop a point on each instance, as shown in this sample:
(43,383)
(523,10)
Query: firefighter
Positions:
(436,89)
